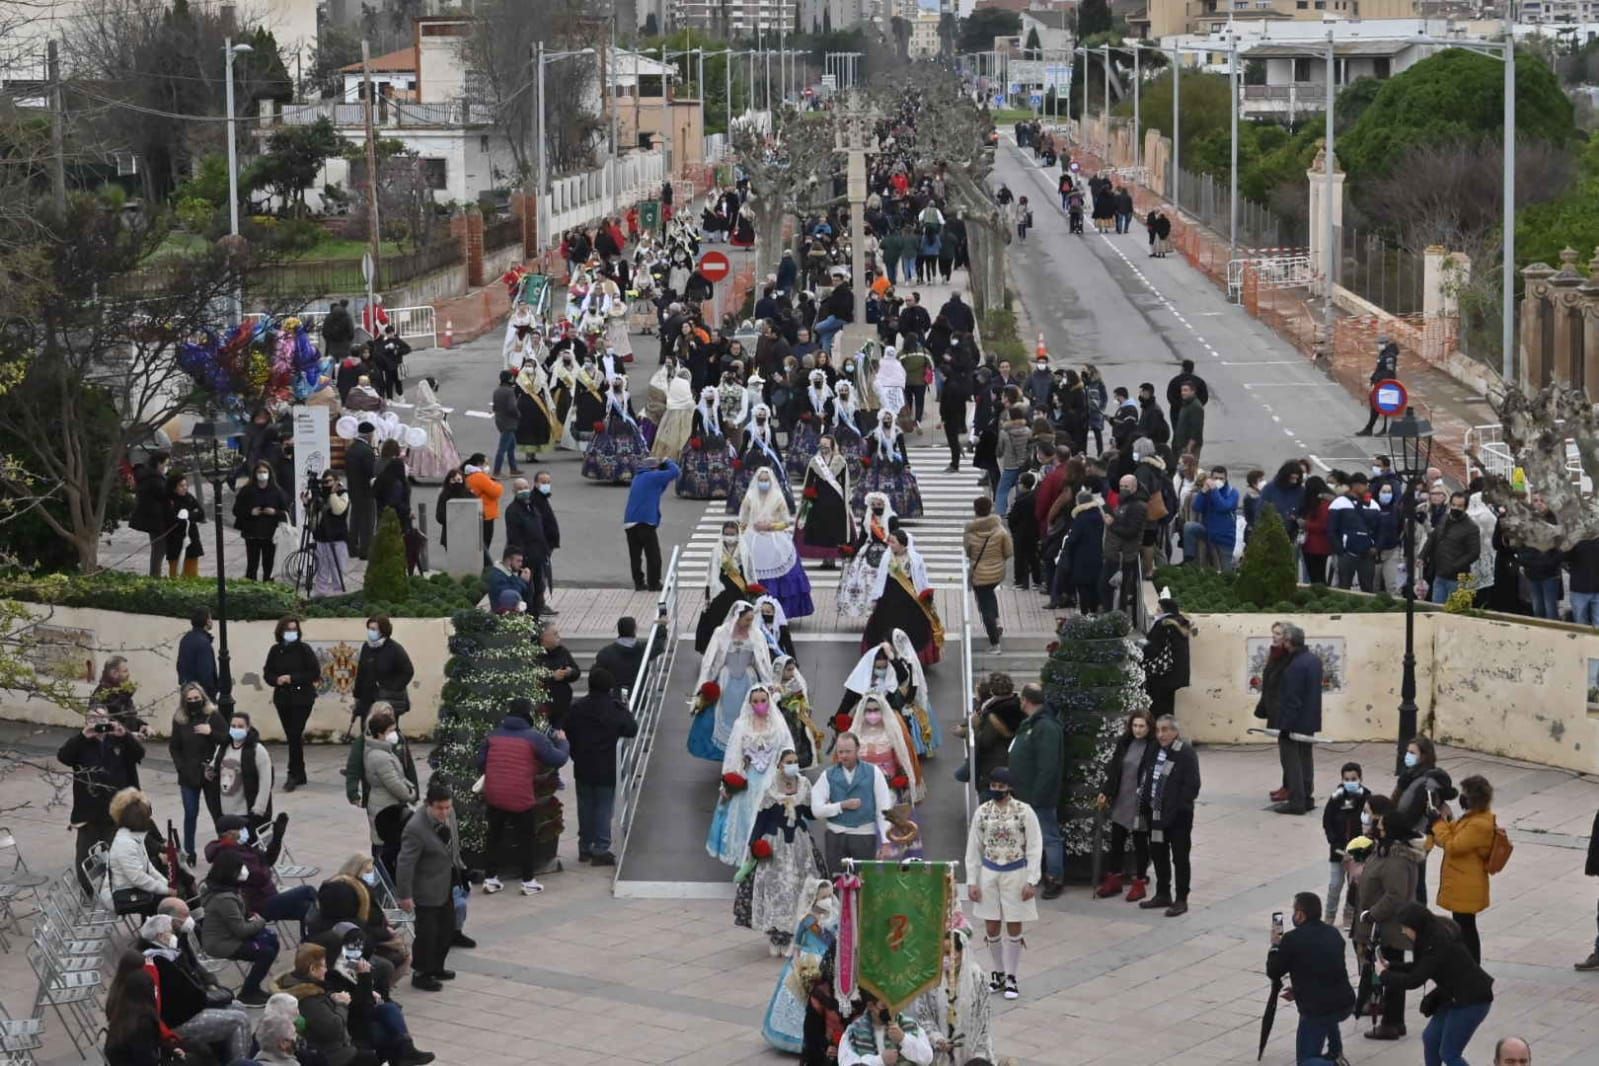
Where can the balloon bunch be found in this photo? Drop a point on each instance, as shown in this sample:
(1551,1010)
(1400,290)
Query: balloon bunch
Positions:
(257,362)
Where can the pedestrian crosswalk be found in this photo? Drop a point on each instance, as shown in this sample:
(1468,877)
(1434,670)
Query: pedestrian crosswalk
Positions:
(946,508)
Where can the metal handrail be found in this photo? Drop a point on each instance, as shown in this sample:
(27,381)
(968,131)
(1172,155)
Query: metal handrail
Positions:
(968,689)
(645,699)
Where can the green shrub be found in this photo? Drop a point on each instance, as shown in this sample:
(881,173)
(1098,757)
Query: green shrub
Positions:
(1207,592)
(385,571)
(1267,573)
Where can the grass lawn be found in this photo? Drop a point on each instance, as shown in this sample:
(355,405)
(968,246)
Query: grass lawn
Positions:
(179,242)
(1011,115)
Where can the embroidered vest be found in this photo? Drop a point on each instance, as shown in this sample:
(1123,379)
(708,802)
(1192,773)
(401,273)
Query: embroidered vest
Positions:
(840,790)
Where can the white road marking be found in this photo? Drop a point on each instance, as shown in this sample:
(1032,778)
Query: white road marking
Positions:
(1266,362)
(479,414)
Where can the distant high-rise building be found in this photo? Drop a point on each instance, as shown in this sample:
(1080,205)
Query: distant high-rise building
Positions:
(736,17)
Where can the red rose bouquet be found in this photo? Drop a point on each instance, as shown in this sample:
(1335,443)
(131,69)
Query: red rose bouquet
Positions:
(738,464)
(842,723)
(735,782)
(847,551)
(755,588)
(866,460)
(599,427)
(761,849)
(926,596)
(707,696)
(811,492)
(899,781)
(696,443)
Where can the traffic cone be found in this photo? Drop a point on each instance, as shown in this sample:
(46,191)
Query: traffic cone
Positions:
(1042,350)
(449,333)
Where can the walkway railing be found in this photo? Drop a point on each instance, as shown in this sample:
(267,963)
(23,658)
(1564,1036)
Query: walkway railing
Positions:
(646,699)
(968,688)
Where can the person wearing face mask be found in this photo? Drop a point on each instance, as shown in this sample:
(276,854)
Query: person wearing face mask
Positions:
(783,858)
(231,930)
(134,882)
(705,459)
(888,469)
(196,731)
(240,779)
(510,759)
(1311,955)
(524,531)
(766,525)
(1390,542)
(826,522)
(181,994)
(383,672)
(1451,551)
(749,766)
(1298,721)
(772,624)
(1341,822)
(728,578)
(759,452)
(1004,865)
(326,1014)
(902,599)
(641,520)
(258,509)
(374,1021)
(293,673)
(389,781)
(811,925)
(618,451)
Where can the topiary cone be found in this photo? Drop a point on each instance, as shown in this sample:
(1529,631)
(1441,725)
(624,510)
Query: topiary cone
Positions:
(385,580)
(1266,574)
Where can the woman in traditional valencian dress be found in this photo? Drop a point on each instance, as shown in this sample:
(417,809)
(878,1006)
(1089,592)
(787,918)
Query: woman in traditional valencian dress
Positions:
(433,461)
(772,624)
(749,766)
(865,554)
(783,858)
(767,526)
(902,598)
(734,660)
(537,427)
(516,347)
(677,423)
(613,308)
(733,404)
(707,460)
(826,524)
(727,581)
(560,373)
(888,469)
(760,452)
(815,413)
(614,453)
(655,399)
(846,431)
(815,934)
(589,403)
(892,669)
(890,384)
(955,1012)
(886,745)
(794,700)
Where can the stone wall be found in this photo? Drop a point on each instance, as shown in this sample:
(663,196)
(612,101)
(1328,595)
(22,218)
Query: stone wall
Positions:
(1512,688)
(81,639)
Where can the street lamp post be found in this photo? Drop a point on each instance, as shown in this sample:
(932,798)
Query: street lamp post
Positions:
(1410,445)
(219,432)
(229,50)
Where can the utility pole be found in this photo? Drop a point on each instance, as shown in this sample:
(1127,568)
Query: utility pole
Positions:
(1177,128)
(367,102)
(58,138)
(610,103)
(727,88)
(1138,129)
(852,140)
(1507,336)
(666,113)
(540,159)
(1328,253)
(1232,169)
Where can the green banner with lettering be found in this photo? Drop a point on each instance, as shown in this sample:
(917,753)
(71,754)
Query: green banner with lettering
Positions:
(904,914)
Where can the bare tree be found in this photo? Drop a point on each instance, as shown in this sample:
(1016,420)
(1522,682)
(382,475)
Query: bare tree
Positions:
(1536,427)
(791,172)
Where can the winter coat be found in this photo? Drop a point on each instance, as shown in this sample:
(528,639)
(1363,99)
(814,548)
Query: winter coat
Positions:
(1112,784)
(1012,451)
(360,467)
(227,926)
(430,855)
(1287,501)
(383,672)
(1037,761)
(1217,510)
(1453,547)
(1466,841)
(1269,705)
(197,662)
(260,886)
(191,752)
(1317,527)
(128,861)
(511,757)
(1152,423)
(326,1022)
(1415,792)
(1166,653)
(996,728)
(1083,553)
(1583,559)
(1182,785)
(1299,707)
(1340,820)
(260,526)
(988,546)
(1124,535)
(1390,526)
(254,763)
(524,527)
(594,725)
(1190,427)
(149,500)
(482,485)
(1442,958)
(299,661)
(102,766)
(386,781)
(503,405)
(1352,526)
(1313,956)
(1387,883)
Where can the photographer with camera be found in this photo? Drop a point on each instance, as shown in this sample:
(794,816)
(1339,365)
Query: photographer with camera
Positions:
(327,510)
(104,759)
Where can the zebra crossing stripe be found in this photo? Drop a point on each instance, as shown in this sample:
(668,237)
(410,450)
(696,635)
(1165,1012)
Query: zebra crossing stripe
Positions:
(939,533)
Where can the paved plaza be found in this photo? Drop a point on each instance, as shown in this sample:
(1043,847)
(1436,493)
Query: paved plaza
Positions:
(574,976)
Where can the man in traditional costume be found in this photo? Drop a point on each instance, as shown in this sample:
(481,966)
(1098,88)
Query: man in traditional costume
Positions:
(1004,863)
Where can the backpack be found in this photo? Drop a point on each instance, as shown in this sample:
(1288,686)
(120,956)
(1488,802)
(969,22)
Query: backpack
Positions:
(1499,851)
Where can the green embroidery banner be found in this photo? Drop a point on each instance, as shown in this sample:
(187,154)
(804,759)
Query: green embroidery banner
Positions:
(903,916)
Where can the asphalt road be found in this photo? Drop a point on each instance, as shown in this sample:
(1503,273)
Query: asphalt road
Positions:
(1102,300)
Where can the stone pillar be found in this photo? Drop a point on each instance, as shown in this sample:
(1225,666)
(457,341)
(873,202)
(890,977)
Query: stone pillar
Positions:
(1563,294)
(474,248)
(463,528)
(1535,286)
(1319,206)
(523,207)
(1590,331)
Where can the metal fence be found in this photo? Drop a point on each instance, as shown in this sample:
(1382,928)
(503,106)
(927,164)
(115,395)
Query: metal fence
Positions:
(502,233)
(395,269)
(1380,273)
(647,699)
(1207,197)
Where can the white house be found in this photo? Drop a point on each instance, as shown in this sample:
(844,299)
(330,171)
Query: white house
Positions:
(393,75)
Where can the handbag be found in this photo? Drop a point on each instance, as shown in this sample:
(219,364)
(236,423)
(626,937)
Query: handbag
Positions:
(134,901)
(1156,508)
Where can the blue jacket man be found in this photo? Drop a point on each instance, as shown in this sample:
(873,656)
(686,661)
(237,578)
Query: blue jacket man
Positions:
(1216,507)
(197,660)
(642,517)
(1298,714)
(1353,521)
(509,575)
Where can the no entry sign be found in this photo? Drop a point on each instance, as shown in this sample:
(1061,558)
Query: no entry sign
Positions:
(1389,397)
(715,266)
